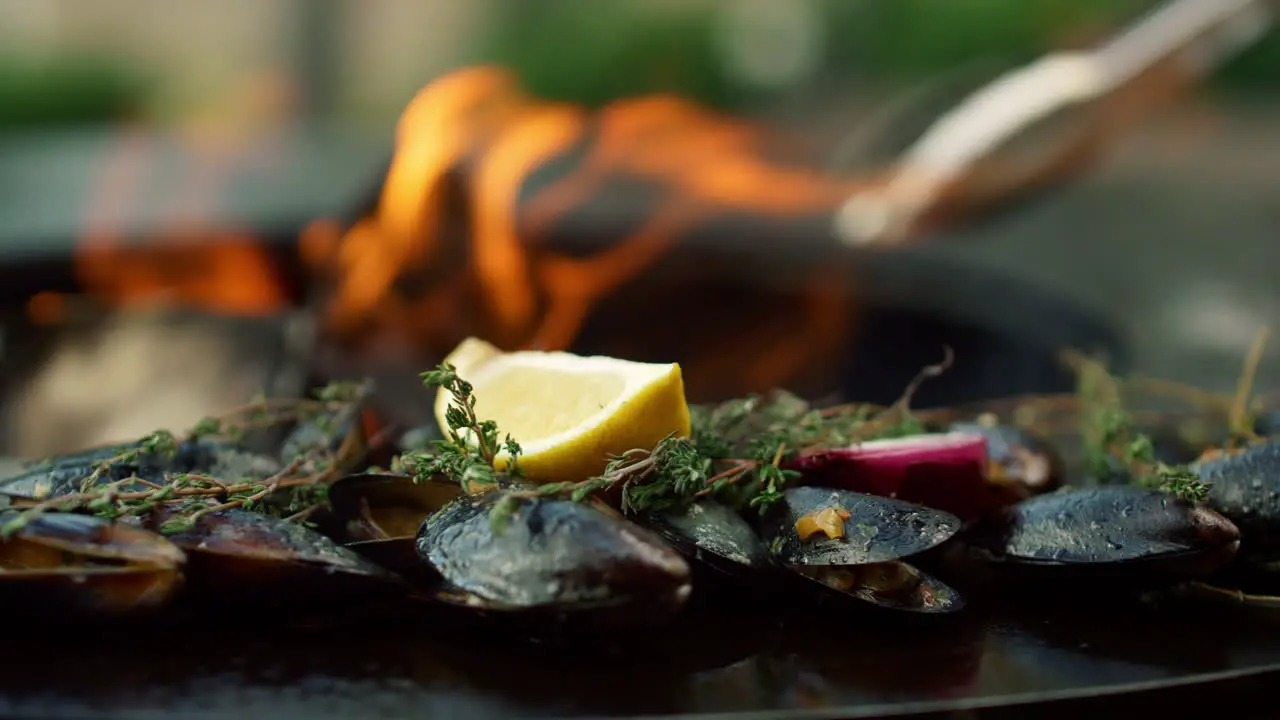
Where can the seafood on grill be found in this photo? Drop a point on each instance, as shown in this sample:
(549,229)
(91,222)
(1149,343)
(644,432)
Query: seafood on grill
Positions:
(246,555)
(864,565)
(137,524)
(552,553)
(901,521)
(1107,536)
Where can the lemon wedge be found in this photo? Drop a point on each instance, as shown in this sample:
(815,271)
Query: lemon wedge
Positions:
(569,413)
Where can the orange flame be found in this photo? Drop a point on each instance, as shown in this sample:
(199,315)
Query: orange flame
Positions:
(469,146)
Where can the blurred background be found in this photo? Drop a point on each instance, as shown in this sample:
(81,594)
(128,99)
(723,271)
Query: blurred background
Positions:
(295,102)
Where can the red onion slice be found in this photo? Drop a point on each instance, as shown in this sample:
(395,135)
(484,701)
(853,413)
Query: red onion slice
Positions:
(946,471)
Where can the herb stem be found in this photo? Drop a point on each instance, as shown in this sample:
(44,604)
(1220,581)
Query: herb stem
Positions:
(304,513)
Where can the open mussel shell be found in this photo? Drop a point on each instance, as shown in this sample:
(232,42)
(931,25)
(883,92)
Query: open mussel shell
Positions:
(1137,537)
(714,536)
(875,529)
(378,506)
(891,585)
(379,514)
(551,555)
(241,553)
(86,564)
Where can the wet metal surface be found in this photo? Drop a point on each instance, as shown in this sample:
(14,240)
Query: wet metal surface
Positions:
(430,666)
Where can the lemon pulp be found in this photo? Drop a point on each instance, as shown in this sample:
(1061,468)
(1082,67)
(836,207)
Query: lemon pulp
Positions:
(569,413)
(541,402)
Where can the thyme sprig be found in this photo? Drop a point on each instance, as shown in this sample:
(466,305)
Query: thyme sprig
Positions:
(1112,441)
(186,497)
(736,450)
(468,452)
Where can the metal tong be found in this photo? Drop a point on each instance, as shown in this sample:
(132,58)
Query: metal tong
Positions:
(961,162)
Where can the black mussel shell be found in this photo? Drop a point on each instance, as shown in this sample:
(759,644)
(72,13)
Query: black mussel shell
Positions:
(82,563)
(1121,526)
(220,460)
(64,475)
(379,514)
(714,534)
(892,585)
(1245,488)
(549,552)
(88,457)
(578,624)
(339,434)
(45,482)
(1019,456)
(379,506)
(877,529)
(243,553)
(1267,423)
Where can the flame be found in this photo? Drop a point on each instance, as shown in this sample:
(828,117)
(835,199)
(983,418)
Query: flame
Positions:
(460,215)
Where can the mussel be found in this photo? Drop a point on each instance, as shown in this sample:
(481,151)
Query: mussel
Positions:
(379,514)
(856,545)
(1021,462)
(867,569)
(87,564)
(241,553)
(551,555)
(1245,488)
(715,536)
(135,465)
(862,528)
(63,475)
(1136,537)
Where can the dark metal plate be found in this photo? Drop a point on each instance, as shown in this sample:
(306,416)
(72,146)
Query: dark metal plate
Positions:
(420,663)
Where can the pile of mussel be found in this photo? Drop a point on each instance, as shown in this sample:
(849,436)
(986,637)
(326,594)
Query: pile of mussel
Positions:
(919,525)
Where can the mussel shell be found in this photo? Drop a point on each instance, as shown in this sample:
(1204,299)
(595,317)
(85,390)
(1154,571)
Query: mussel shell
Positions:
(220,460)
(339,434)
(1117,525)
(1245,488)
(81,563)
(878,529)
(378,506)
(1024,458)
(1266,423)
(241,553)
(892,585)
(87,457)
(52,482)
(580,623)
(96,540)
(63,475)
(398,555)
(551,552)
(714,534)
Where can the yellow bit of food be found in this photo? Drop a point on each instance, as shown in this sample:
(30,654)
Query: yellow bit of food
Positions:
(569,413)
(829,521)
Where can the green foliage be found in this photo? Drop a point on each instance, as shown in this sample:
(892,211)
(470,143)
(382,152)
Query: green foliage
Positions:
(67,91)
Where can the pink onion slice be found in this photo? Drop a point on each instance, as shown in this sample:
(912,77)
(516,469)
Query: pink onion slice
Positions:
(946,471)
